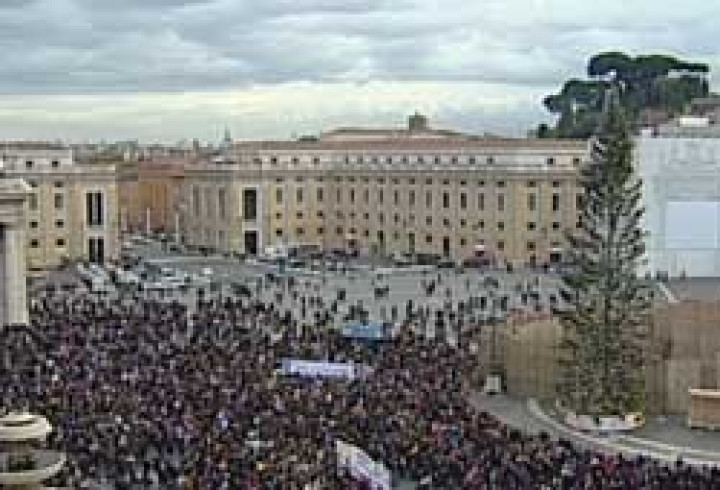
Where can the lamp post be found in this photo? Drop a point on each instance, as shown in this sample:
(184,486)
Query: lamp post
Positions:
(493,380)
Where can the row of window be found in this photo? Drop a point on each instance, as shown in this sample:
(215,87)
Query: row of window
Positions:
(59,223)
(35,242)
(406,159)
(530,246)
(463,199)
(31,163)
(411,181)
(480,225)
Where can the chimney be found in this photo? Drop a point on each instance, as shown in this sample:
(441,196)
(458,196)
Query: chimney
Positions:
(417,122)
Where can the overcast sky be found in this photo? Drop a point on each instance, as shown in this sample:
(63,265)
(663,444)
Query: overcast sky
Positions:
(172,69)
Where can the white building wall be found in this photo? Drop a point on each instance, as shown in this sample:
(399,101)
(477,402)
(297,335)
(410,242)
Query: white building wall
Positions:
(682,170)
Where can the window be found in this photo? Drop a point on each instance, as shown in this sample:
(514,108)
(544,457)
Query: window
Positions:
(471,160)
(501,202)
(250,204)
(338,196)
(29,164)
(94,210)
(320,214)
(316,161)
(463,200)
(556,202)
(59,184)
(530,246)
(396,218)
(500,183)
(222,194)
(428,238)
(531,183)
(381,196)
(320,194)
(446,182)
(501,245)
(428,181)
(428,220)
(550,161)
(579,201)
(33,224)
(34,243)
(338,230)
(59,201)
(446,200)
(273,160)
(300,231)
(454,159)
(396,197)
(279,180)
(490,160)
(481,225)
(321,231)
(381,218)
(33,202)
(481,201)
(299,196)
(411,198)
(463,242)
(60,242)
(55,164)
(278,215)
(299,215)
(388,160)
(463,223)
(501,226)
(556,183)
(428,199)
(96,250)
(463,183)
(446,223)
(555,225)
(576,161)
(366,216)
(531,226)
(352,196)
(294,160)
(279,195)
(532,202)
(411,181)
(196,201)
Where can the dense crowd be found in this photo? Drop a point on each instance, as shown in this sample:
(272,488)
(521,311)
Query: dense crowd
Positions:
(146,394)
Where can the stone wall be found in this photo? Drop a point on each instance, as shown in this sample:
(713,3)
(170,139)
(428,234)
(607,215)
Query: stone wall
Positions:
(683,353)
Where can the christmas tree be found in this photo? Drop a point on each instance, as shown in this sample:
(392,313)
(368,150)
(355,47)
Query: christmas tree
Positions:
(605,307)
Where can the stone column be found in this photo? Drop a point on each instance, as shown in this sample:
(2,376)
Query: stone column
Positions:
(15,276)
(13,281)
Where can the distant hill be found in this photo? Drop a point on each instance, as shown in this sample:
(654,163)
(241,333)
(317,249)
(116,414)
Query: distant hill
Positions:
(653,87)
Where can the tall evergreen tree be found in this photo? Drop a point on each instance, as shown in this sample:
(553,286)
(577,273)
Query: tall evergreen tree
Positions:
(605,308)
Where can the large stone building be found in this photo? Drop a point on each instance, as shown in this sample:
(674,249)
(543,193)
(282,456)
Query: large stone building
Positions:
(415,190)
(151,193)
(72,208)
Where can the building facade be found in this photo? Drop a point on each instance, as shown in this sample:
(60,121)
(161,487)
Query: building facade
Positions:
(72,206)
(679,164)
(415,190)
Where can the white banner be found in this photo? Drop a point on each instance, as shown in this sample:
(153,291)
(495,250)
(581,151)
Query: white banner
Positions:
(363,467)
(319,369)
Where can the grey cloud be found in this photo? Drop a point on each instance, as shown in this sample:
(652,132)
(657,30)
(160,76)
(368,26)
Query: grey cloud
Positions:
(85,46)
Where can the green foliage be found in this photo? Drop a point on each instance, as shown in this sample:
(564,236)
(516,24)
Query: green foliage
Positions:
(658,82)
(605,305)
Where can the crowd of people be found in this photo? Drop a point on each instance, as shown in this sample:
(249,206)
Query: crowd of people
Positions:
(148,394)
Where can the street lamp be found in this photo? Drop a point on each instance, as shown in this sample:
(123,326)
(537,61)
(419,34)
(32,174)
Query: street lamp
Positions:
(493,379)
